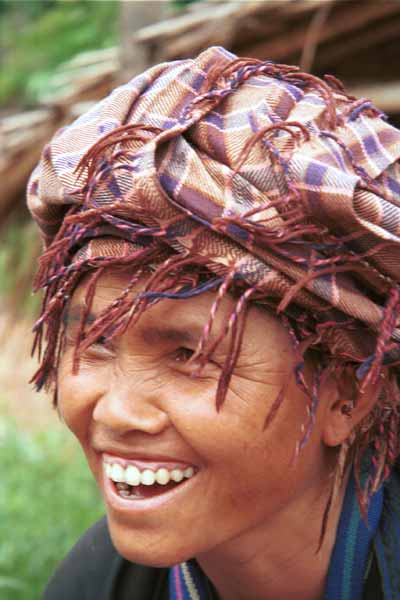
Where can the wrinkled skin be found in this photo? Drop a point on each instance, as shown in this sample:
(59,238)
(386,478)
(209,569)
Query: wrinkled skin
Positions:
(248,506)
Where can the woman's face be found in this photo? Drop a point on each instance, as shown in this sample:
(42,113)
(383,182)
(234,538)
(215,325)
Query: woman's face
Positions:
(135,404)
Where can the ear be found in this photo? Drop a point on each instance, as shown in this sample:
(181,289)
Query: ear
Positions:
(345,409)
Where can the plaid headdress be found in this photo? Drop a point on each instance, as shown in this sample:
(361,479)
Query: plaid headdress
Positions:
(243,176)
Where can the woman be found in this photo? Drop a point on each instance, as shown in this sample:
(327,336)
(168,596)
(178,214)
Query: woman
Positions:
(220,317)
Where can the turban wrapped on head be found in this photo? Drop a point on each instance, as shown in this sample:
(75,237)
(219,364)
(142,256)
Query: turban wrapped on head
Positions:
(240,175)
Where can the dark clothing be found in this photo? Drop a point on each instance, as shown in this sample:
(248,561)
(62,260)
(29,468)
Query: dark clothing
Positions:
(93,570)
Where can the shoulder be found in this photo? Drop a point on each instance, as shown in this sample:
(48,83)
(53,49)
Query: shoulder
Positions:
(93,570)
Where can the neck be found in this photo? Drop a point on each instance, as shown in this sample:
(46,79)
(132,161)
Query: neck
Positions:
(278,560)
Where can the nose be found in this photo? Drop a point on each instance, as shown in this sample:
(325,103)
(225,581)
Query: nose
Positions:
(132,405)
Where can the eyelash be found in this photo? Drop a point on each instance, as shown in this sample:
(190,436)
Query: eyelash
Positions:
(181,355)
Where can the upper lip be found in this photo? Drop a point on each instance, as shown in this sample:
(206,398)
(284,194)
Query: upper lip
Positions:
(124,454)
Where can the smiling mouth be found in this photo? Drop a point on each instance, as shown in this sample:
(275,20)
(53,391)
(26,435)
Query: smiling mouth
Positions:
(132,483)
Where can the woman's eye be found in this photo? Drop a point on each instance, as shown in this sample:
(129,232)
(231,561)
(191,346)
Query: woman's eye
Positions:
(101,345)
(182,355)
(182,359)
(100,341)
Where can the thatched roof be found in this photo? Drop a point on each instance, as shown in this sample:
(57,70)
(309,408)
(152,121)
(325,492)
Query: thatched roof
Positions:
(355,40)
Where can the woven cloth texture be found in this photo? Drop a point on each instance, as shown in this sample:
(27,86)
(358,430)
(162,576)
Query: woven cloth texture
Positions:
(252,167)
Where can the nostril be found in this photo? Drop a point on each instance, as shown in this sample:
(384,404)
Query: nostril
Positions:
(123,412)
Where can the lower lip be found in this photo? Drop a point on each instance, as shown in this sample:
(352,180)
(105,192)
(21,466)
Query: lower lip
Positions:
(116,502)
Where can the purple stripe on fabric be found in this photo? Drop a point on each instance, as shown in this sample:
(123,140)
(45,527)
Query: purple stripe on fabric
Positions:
(114,188)
(168,123)
(394,185)
(199,204)
(237,232)
(315,173)
(252,121)
(356,111)
(107,126)
(284,106)
(312,99)
(162,122)
(370,145)
(217,139)
(168,184)
(295,91)
(332,143)
(214,118)
(225,52)
(197,82)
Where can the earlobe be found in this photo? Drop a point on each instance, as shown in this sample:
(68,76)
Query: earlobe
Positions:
(346,411)
(339,423)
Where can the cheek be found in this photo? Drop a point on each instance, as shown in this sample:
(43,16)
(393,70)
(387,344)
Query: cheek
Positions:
(77,394)
(249,457)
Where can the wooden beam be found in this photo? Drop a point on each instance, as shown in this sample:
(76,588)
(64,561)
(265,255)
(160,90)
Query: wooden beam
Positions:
(344,20)
(381,33)
(174,27)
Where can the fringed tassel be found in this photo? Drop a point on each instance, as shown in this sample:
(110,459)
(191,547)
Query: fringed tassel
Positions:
(276,405)
(90,292)
(221,293)
(237,324)
(120,135)
(386,329)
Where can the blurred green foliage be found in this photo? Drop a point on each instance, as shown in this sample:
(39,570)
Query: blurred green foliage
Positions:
(38,35)
(19,250)
(47,500)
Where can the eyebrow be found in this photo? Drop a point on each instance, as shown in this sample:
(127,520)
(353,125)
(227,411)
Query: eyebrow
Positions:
(151,335)
(74,315)
(154,334)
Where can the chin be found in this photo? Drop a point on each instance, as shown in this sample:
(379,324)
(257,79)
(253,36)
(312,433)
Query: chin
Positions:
(147,550)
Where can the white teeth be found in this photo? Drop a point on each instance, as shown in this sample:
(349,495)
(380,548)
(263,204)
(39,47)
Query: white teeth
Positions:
(132,476)
(177,475)
(162,476)
(148,477)
(117,473)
